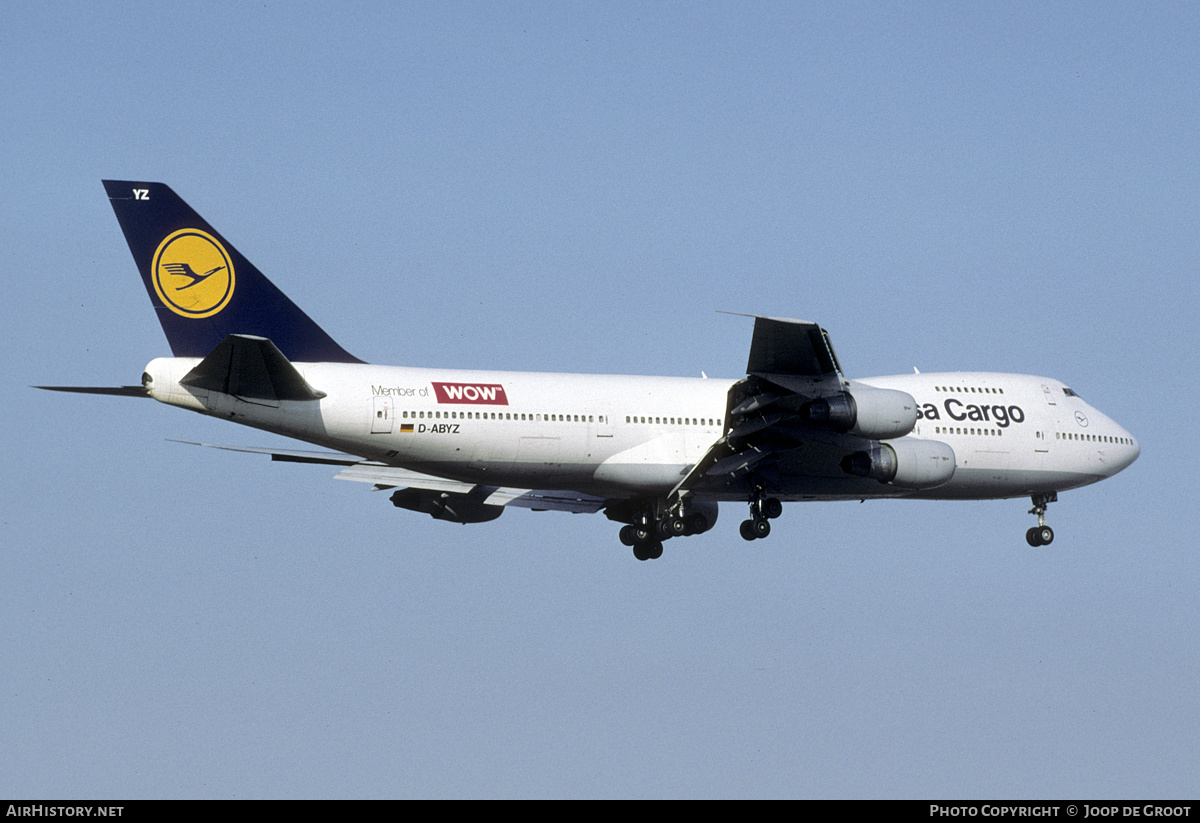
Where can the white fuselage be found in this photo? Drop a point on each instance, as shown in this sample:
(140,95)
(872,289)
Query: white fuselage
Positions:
(625,436)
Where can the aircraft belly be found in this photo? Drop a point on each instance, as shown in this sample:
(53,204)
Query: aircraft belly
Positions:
(991,484)
(653,466)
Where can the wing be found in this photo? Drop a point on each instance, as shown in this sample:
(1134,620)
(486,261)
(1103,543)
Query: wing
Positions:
(775,439)
(795,355)
(390,477)
(383,476)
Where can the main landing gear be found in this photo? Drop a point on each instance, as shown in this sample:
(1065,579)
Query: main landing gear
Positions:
(763,509)
(646,535)
(1041,534)
(645,545)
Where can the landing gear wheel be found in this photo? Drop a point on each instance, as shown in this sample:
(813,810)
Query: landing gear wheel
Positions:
(765,508)
(762,510)
(755,529)
(626,536)
(670,527)
(772,508)
(1040,536)
(650,550)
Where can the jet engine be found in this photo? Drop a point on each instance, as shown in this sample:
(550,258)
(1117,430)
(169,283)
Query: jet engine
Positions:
(456,508)
(876,414)
(909,464)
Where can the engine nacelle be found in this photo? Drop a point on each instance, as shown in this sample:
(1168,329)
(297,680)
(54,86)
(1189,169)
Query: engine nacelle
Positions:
(876,414)
(456,508)
(909,464)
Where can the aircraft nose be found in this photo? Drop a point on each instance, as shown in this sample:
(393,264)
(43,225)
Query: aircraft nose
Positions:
(1135,449)
(1126,449)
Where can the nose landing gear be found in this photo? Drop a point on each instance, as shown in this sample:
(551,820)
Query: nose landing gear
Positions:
(1041,534)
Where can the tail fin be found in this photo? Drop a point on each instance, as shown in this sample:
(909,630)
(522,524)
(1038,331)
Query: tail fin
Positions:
(204,290)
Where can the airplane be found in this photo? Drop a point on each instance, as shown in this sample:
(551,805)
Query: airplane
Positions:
(655,454)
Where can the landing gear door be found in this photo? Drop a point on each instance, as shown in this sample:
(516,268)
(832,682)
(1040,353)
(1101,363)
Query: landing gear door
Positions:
(382,412)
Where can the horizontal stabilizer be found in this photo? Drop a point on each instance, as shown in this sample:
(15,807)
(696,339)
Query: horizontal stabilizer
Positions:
(326,458)
(120,391)
(251,368)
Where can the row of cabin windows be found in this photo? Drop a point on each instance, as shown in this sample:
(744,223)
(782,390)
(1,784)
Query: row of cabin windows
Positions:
(703,421)
(473,415)
(671,421)
(1092,438)
(555,418)
(968,389)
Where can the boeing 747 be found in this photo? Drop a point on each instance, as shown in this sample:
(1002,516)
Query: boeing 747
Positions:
(655,454)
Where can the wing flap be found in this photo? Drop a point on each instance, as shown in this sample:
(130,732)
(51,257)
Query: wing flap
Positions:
(392,477)
(545,500)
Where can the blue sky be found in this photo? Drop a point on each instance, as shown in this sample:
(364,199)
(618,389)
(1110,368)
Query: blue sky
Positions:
(582,187)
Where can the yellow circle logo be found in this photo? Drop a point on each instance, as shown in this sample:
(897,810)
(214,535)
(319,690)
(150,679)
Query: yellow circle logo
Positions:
(193,274)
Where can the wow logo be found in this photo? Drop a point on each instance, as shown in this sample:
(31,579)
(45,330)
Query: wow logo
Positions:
(192,274)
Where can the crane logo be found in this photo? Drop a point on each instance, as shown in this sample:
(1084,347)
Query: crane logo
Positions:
(193,274)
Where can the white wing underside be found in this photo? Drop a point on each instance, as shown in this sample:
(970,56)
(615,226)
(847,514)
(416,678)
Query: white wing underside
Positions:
(382,476)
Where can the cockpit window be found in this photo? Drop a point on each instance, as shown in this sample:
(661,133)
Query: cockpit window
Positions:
(1069,392)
